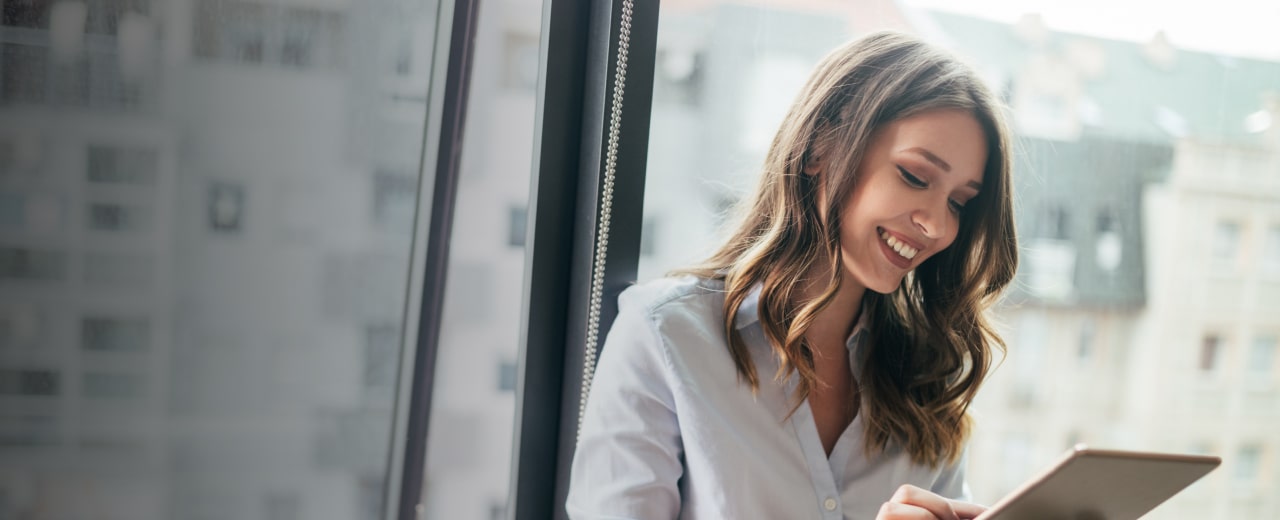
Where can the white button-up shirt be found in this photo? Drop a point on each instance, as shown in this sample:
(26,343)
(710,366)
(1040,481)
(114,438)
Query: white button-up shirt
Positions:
(671,432)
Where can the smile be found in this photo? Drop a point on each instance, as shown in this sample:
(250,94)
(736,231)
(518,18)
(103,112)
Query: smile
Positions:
(903,250)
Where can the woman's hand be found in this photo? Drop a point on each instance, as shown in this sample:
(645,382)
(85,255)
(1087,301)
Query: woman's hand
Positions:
(913,503)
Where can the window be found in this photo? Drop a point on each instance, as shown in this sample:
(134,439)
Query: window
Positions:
(650,228)
(21,327)
(1057,223)
(264,33)
(1226,244)
(517,225)
(1210,351)
(1248,462)
(32,212)
(118,269)
(1109,244)
(381,357)
(33,383)
(105,216)
(32,264)
(115,387)
(109,334)
(1262,357)
(282,506)
(1271,252)
(24,74)
(28,430)
(507,375)
(678,78)
(30,14)
(395,194)
(226,207)
(520,67)
(119,165)
(1085,345)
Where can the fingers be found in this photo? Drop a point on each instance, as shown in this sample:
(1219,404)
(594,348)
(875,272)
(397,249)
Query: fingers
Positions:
(967,510)
(936,506)
(899,511)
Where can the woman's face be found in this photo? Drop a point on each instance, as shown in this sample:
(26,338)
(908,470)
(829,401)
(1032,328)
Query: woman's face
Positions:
(915,178)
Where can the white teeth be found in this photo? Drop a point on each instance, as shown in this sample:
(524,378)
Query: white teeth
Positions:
(902,249)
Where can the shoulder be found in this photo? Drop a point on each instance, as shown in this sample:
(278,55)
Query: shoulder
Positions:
(675,298)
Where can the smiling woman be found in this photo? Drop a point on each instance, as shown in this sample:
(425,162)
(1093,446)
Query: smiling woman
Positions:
(858,278)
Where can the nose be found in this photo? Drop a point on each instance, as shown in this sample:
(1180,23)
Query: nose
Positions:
(931,222)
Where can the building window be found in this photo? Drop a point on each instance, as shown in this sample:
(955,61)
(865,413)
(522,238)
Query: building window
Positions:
(21,327)
(395,195)
(381,357)
(112,165)
(34,383)
(29,14)
(520,67)
(517,224)
(247,32)
(282,506)
(118,269)
(1210,350)
(1085,346)
(1271,251)
(1248,461)
(18,263)
(1226,244)
(226,207)
(31,212)
(507,375)
(24,73)
(1057,223)
(369,496)
(470,293)
(1108,249)
(1262,357)
(649,230)
(28,430)
(678,77)
(105,216)
(105,386)
(115,334)
(497,509)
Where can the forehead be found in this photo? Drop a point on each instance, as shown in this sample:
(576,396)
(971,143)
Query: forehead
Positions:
(954,136)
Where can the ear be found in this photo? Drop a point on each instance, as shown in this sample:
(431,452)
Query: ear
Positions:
(816,162)
(813,166)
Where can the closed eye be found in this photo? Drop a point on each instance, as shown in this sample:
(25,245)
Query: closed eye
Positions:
(956,207)
(911,180)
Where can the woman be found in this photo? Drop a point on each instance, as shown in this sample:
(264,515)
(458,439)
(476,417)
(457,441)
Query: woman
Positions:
(821,363)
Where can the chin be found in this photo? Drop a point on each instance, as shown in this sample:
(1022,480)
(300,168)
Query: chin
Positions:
(886,287)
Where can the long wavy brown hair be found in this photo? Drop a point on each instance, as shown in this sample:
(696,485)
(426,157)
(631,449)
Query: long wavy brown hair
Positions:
(931,341)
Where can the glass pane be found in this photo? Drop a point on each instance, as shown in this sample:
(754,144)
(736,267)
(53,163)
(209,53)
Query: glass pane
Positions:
(205,229)
(1147,184)
(473,405)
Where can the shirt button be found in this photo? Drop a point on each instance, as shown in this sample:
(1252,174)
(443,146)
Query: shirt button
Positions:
(830,504)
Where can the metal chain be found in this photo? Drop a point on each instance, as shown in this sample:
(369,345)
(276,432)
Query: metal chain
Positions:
(606,213)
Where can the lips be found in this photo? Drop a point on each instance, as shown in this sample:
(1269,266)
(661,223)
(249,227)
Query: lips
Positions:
(897,251)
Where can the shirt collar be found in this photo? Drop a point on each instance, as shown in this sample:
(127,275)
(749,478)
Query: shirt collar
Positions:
(749,314)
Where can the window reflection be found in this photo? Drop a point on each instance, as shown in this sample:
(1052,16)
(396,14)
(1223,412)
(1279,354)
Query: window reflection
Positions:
(205,218)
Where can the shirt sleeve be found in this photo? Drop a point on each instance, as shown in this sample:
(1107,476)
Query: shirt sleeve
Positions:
(951,482)
(627,463)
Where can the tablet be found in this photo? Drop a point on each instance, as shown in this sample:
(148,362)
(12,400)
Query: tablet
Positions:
(1091,484)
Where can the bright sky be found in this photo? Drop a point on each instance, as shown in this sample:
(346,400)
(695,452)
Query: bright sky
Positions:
(1236,27)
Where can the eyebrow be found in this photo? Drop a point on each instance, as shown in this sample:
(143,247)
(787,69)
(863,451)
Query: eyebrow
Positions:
(937,161)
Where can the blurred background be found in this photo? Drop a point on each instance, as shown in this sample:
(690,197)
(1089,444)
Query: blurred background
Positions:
(207,211)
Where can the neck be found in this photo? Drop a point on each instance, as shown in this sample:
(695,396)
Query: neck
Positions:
(834,323)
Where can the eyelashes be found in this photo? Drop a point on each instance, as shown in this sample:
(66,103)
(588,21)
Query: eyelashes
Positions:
(918,183)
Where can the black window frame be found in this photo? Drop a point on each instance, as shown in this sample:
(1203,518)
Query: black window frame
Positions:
(578,56)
